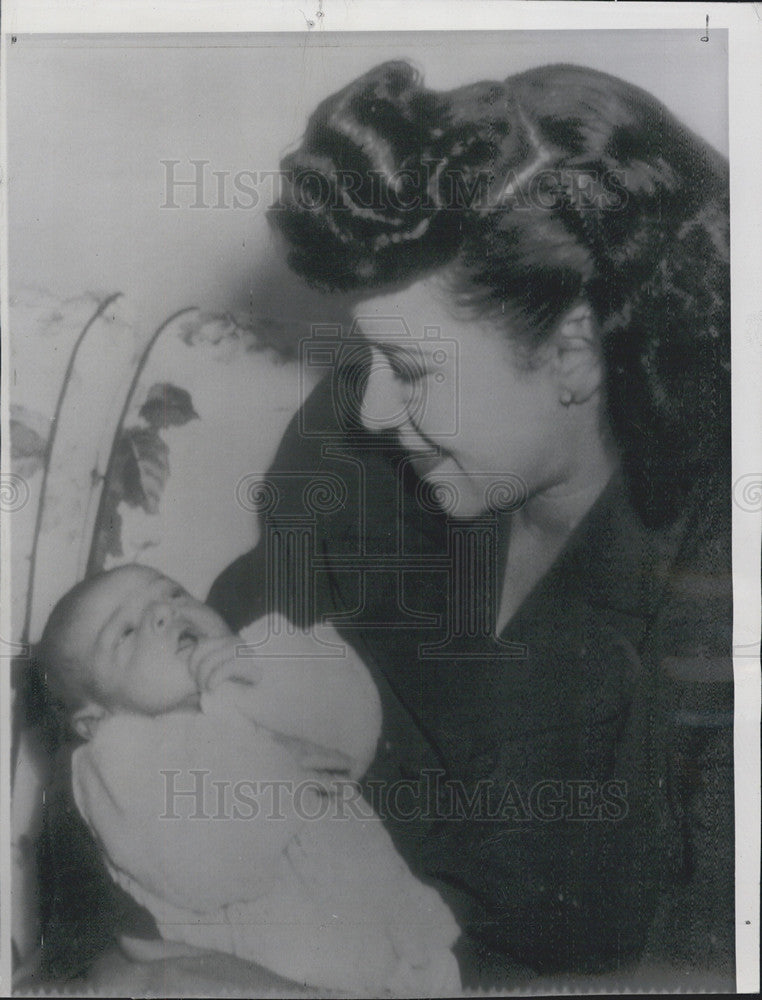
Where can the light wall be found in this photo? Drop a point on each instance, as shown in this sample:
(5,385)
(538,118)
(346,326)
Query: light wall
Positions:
(91,119)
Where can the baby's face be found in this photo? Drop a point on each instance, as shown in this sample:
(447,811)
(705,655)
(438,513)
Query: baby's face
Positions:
(139,631)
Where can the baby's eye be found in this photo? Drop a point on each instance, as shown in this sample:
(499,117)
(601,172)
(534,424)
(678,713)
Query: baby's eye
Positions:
(126,632)
(177,592)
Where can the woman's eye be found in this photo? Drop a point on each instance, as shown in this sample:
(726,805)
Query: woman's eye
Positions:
(407,367)
(126,632)
(177,592)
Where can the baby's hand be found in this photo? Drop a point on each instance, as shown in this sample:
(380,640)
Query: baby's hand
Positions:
(314,757)
(217,660)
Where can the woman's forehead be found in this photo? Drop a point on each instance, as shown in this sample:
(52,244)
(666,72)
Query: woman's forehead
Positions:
(418,315)
(422,318)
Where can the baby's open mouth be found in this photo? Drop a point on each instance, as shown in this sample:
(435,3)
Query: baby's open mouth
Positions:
(188,639)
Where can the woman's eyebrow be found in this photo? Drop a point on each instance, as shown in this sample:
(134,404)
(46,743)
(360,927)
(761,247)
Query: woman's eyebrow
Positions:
(401,350)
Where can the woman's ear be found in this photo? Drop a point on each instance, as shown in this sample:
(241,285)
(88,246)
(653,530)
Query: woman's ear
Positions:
(577,355)
(86,719)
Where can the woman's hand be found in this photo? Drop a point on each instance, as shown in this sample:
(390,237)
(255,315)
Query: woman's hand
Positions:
(218,659)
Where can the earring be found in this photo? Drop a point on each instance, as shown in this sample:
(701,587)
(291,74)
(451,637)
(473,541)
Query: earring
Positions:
(566,397)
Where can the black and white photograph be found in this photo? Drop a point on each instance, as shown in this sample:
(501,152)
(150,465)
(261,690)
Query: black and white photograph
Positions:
(381,504)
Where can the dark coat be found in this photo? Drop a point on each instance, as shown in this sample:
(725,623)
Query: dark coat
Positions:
(568,788)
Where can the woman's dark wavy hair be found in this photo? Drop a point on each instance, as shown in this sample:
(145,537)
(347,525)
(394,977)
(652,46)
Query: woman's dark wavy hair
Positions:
(557,185)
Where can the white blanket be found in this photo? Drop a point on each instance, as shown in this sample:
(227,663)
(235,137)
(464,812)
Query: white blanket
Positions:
(228,824)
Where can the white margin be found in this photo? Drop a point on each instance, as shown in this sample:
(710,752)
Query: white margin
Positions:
(188,16)
(5,560)
(744,22)
(745,124)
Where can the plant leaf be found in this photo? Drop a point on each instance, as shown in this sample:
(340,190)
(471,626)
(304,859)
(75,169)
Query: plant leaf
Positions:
(167,405)
(28,443)
(27,448)
(141,467)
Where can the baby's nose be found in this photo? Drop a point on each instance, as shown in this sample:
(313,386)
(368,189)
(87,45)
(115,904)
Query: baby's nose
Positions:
(161,615)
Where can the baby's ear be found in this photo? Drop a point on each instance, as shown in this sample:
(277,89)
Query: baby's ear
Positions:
(85,720)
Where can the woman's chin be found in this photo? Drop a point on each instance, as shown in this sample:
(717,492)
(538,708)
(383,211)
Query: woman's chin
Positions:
(464,506)
(468,509)
(452,491)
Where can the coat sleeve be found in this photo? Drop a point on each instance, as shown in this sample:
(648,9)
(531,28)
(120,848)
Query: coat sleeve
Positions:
(198,817)
(246,590)
(328,700)
(695,922)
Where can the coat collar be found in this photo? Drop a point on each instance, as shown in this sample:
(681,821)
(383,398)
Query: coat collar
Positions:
(610,576)
(624,564)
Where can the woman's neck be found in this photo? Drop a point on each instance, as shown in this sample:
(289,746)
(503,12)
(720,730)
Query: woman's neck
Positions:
(556,509)
(539,530)
(557,512)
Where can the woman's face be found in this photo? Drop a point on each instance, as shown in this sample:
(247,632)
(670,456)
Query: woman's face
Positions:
(467,412)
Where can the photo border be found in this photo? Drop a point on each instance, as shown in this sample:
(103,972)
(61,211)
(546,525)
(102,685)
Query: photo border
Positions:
(745,127)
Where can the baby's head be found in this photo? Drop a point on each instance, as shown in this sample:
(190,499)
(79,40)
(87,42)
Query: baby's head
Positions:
(123,640)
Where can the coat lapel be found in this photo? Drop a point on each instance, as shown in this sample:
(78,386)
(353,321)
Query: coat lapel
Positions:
(582,627)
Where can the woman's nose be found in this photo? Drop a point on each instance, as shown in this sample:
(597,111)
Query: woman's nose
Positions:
(386,398)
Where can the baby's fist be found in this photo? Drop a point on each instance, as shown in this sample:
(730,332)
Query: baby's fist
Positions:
(219,659)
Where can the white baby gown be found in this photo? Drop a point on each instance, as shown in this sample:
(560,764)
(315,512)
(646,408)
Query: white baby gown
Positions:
(229,825)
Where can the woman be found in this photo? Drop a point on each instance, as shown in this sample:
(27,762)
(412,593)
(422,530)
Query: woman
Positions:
(530,535)
(525,524)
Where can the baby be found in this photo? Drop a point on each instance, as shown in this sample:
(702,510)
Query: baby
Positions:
(208,777)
